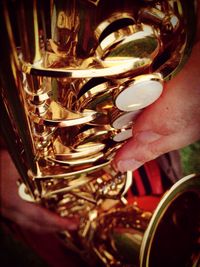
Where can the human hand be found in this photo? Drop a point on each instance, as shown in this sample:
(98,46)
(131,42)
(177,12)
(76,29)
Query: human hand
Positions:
(170,123)
(27,215)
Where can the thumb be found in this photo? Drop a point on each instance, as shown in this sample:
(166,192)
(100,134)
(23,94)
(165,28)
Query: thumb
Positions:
(170,123)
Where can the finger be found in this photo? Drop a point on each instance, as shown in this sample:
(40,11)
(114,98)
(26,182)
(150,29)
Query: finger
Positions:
(54,221)
(135,152)
(48,220)
(39,219)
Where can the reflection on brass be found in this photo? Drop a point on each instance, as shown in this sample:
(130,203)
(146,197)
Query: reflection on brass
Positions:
(74,76)
(87,149)
(38,69)
(89,97)
(117,18)
(56,115)
(168,22)
(141,45)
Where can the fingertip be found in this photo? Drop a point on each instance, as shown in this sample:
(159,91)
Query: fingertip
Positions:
(70,224)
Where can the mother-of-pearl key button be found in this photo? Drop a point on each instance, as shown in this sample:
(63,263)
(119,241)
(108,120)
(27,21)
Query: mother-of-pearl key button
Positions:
(125,119)
(123,135)
(139,95)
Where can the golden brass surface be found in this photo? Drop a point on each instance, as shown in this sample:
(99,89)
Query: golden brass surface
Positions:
(64,67)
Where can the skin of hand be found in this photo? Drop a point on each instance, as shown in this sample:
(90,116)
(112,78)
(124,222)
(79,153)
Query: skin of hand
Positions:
(27,215)
(170,123)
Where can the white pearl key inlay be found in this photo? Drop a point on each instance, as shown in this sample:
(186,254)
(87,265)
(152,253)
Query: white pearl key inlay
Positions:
(139,95)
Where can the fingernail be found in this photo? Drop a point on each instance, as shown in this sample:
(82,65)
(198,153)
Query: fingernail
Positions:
(147,137)
(128,165)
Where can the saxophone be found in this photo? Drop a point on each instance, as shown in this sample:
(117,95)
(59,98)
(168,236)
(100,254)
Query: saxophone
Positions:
(74,75)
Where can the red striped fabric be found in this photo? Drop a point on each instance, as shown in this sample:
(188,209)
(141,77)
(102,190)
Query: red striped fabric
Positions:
(154,176)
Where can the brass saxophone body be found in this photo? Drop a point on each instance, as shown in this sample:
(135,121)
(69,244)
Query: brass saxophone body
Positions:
(74,76)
